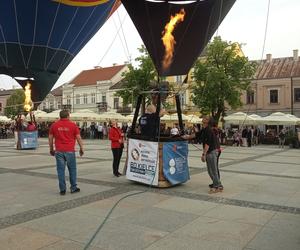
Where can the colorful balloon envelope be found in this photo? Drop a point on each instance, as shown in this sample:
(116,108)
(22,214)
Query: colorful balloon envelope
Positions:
(39,38)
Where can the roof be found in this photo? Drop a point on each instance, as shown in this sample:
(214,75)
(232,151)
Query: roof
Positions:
(7,92)
(57,92)
(118,85)
(284,67)
(92,76)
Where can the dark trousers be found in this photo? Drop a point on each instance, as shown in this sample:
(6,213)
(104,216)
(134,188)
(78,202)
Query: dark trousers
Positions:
(218,156)
(117,154)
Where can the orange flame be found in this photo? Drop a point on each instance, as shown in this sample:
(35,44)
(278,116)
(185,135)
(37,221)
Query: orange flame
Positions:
(168,38)
(28,104)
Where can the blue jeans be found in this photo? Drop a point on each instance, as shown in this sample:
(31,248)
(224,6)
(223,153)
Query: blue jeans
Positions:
(63,159)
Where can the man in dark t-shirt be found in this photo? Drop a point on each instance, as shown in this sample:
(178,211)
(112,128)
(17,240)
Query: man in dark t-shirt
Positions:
(148,123)
(209,154)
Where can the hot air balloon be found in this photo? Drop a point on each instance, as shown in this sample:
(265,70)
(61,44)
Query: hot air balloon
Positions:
(39,38)
(174,32)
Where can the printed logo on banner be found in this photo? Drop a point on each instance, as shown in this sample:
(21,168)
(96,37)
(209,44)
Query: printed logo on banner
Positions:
(175,162)
(28,139)
(142,161)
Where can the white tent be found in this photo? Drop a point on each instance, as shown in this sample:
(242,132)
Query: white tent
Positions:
(112,116)
(240,118)
(173,118)
(194,119)
(84,115)
(38,114)
(279,118)
(54,115)
(4,119)
(294,117)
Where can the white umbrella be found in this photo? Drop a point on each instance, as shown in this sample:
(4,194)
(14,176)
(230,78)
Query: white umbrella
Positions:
(84,115)
(37,114)
(173,118)
(194,119)
(54,115)
(279,118)
(240,118)
(112,116)
(4,119)
(294,117)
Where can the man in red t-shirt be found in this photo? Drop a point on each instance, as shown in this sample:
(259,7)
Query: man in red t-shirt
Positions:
(64,134)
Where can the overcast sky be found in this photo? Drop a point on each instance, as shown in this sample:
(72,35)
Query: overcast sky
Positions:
(245,23)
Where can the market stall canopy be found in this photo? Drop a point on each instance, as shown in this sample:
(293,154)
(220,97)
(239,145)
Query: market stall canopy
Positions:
(173,118)
(107,116)
(84,115)
(240,118)
(53,116)
(196,22)
(294,117)
(279,118)
(194,119)
(4,119)
(38,39)
(38,114)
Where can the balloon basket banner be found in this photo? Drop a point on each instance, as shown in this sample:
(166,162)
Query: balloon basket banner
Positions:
(159,164)
(27,140)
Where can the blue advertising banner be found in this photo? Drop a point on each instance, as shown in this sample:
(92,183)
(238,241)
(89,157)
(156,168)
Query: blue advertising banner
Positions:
(28,139)
(175,162)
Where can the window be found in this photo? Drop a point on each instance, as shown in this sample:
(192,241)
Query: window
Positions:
(182,99)
(51,105)
(68,100)
(44,106)
(250,97)
(93,98)
(274,96)
(77,99)
(85,99)
(59,105)
(297,94)
(179,79)
(116,103)
(103,98)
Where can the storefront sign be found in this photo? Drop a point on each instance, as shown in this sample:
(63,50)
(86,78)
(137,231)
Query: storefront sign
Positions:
(142,164)
(175,162)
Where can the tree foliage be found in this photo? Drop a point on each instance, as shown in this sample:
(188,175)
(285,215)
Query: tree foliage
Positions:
(221,78)
(14,104)
(138,79)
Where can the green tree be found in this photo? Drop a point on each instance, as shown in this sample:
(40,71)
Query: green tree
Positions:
(221,78)
(138,79)
(15,103)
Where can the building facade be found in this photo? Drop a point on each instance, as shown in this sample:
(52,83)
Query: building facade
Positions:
(93,90)
(53,100)
(4,95)
(275,87)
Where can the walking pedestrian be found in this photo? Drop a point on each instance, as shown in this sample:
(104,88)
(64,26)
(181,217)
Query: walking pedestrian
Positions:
(116,136)
(281,138)
(63,134)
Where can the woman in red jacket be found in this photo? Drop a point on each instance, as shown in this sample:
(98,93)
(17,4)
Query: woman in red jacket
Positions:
(117,144)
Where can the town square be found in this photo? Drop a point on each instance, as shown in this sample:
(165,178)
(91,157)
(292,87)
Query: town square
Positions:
(149,124)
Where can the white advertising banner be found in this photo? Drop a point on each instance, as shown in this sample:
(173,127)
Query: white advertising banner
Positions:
(142,162)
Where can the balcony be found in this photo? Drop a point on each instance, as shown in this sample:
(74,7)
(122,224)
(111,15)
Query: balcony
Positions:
(124,110)
(102,106)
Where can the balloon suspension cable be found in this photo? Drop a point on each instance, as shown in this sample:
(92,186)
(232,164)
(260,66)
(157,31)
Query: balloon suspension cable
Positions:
(262,55)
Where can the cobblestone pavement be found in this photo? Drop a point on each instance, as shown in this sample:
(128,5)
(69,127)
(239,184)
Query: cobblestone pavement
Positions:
(259,208)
